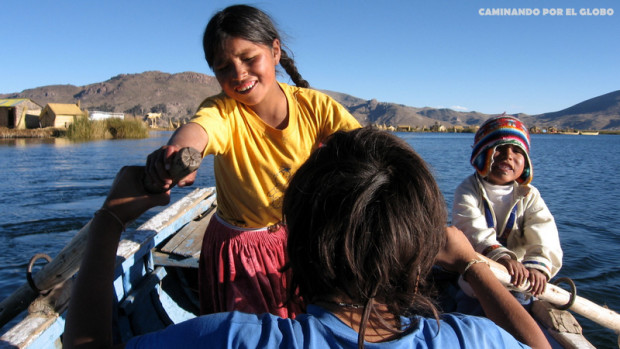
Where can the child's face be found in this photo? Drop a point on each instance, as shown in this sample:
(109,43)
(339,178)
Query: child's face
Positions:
(508,164)
(246,71)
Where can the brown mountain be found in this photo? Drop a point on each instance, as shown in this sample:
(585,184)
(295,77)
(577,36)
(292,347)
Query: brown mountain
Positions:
(598,113)
(178,95)
(175,95)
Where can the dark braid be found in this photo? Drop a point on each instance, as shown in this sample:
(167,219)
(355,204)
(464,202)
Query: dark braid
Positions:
(289,66)
(248,23)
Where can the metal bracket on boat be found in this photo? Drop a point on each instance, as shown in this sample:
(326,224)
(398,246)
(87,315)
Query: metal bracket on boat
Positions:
(35,258)
(573,292)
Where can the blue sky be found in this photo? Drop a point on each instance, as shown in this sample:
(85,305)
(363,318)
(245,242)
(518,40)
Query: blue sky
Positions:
(441,53)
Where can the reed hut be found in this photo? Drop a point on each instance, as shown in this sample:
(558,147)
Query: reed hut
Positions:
(19,113)
(60,115)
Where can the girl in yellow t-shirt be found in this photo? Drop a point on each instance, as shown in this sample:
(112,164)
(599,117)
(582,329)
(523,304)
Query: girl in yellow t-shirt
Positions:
(260,131)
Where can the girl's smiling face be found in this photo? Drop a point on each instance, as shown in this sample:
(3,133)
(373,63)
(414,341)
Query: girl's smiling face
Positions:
(247,71)
(508,164)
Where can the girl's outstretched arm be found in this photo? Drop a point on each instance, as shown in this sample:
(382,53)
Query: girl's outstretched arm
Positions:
(89,319)
(158,162)
(190,135)
(499,305)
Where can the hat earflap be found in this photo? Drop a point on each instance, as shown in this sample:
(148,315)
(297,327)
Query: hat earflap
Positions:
(483,162)
(528,172)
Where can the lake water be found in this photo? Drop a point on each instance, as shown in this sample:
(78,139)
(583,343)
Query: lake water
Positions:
(51,188)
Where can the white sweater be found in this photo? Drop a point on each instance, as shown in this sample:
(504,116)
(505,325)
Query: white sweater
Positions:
(533,240)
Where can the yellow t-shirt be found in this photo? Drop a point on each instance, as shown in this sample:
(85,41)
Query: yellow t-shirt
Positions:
(254,161)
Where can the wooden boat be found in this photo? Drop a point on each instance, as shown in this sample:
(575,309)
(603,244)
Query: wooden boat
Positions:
(156,278)
(155,283)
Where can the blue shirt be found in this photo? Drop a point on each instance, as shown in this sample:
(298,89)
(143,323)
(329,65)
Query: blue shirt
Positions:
(320,329)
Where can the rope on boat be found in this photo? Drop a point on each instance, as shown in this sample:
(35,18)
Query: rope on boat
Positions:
(35,258)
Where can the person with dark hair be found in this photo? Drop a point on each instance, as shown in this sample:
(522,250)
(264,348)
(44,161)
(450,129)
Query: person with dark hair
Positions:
(502,214)
(260,131)
(366,222)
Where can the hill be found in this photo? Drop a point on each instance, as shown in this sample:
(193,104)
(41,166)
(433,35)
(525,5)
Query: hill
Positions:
(178,95)
(598,113)
(175,95)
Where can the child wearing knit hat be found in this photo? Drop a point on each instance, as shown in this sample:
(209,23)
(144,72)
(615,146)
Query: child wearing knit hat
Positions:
(501,213)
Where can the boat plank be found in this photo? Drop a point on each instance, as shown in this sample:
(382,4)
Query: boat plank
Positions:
(35,331)
(172,260)
(188,241)
(571,340)
(552,317)
(560,324)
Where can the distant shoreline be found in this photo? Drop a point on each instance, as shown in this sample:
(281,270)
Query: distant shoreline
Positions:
(51,132)
(47,132)
(41,133)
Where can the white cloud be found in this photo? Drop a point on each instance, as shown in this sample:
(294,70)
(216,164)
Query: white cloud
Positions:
(459,108)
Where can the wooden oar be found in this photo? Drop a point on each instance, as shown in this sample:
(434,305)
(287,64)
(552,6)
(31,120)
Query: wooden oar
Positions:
(560,297)
(67,262)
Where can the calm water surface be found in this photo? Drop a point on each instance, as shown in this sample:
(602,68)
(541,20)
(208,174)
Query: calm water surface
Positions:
(52,187)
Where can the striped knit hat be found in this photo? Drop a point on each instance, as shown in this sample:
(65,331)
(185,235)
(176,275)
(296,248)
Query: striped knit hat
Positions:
(498,131)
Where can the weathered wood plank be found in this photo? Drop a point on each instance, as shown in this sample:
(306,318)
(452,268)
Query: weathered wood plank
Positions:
(41,321)
(560,324)
(188,241)
(571,340)
(146,286)
(559,320)
(171,260)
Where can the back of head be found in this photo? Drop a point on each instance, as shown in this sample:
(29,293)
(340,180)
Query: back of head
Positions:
(496,131)
(248,23)
(366,220)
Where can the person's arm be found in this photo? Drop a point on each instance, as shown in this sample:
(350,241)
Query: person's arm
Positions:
(158,162)
(498,304)
(190,135)
(89,318)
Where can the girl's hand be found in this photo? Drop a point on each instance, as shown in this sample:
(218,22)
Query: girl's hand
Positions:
(518,272)
(456,252)
(128,199)
(158,162)
(538,281)
(157,165)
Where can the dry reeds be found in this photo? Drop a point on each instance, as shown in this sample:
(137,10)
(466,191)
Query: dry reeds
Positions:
(83,129)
